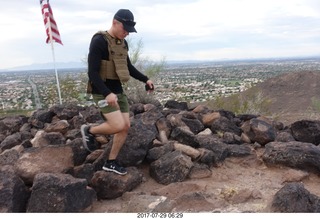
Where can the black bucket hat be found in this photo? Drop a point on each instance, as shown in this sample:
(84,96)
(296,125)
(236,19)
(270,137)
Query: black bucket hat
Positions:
(125,16)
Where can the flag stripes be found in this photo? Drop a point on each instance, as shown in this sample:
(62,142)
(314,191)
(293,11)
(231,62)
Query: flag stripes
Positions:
(49,22)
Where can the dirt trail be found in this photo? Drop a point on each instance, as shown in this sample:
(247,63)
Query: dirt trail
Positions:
(229,183)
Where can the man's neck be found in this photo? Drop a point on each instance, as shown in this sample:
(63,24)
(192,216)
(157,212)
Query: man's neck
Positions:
(110,32)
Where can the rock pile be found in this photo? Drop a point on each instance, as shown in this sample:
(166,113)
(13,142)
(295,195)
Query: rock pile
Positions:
(44,167)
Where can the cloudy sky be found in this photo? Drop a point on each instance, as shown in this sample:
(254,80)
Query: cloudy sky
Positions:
(174,30)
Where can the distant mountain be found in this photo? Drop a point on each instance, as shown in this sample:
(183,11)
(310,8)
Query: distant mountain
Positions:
(174,63)
(41,66)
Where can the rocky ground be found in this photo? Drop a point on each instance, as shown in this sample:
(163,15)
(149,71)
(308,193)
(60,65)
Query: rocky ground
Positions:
(242,183)
(238,184)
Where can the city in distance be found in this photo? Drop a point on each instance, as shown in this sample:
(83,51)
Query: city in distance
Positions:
(193,81)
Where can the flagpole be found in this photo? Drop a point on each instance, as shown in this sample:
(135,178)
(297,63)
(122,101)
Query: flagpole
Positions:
(54,60)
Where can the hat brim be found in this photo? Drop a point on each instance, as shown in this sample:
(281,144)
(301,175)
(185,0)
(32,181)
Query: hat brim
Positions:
(129,28)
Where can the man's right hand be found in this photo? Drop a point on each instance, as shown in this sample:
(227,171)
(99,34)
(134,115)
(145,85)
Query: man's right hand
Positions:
(112,99)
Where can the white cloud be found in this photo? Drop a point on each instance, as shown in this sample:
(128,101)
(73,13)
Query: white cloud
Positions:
(177,30)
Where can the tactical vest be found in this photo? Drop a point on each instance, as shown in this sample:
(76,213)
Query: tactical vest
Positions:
(116,68)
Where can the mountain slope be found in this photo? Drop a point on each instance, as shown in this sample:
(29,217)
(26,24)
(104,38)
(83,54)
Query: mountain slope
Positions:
(290,97)
(292,92)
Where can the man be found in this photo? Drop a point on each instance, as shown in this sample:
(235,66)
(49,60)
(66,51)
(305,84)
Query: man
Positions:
(109,67)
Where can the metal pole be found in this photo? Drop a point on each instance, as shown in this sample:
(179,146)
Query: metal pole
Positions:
(54,60)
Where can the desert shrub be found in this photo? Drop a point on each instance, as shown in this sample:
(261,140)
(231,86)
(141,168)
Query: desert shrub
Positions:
(314,109)
(135,89)
(315,104)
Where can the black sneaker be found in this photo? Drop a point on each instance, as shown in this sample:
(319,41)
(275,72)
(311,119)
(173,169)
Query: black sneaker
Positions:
(89,142)
(113,166)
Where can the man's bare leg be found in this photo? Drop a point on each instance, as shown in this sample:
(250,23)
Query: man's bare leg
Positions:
(116,123)
(120,138)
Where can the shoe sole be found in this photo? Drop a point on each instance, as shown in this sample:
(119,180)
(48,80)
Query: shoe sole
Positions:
(112,170)
(83,138)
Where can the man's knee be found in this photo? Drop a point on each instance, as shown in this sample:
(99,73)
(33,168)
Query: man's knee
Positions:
(121,127)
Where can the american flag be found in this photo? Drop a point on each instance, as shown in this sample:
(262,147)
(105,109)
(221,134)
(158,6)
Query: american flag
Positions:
(49,22)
